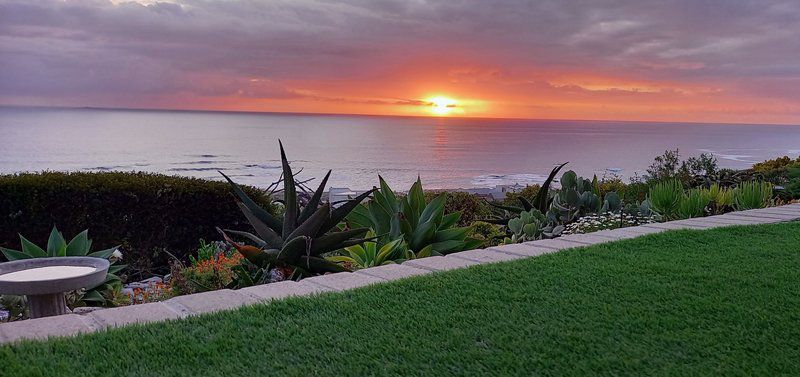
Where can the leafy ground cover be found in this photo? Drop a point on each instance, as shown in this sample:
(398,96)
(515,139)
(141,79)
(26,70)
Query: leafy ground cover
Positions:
(722,301)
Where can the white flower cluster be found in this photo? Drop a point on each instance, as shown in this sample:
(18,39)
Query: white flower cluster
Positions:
(596,222)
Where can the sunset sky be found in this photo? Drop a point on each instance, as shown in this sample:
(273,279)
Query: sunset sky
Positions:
(708,61)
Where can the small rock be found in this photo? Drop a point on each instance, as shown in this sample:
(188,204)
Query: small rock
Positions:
(152,280)
(83,310)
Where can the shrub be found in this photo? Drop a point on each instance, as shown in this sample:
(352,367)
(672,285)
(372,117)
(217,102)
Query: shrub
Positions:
(488,234)
(471,206)
(669,166)
(529,193)
(146,213)
(612,184)
(635,192)
(777,163)
(206,275)
(792,188)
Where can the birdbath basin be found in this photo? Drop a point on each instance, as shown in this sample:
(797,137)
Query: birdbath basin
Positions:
(45,280)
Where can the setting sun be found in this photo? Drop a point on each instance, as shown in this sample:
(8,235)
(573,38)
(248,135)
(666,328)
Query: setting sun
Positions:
(442,105)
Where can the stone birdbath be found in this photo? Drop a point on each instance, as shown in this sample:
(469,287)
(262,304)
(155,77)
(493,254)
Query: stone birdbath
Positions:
(45,280)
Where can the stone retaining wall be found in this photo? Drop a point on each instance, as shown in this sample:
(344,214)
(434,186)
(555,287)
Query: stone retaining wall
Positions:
(225,299)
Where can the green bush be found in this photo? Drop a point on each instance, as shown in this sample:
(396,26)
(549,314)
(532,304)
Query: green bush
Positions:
(529,192)
(471,206)
(777,163)
(145,213)
(635,192)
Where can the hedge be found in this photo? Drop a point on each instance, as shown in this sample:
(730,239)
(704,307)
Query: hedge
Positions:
(148,214)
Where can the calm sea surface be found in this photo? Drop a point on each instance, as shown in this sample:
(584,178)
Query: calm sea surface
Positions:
(445,152)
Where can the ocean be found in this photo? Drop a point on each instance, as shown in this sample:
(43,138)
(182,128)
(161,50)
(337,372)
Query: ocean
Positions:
(446,153)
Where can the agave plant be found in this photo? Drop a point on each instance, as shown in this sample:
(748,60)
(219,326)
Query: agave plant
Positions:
(79,246)
(423,226)
(752,195)
(369,255)
(306,231)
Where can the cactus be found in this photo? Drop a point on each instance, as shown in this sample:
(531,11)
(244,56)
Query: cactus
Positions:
(576,198)
(611,203)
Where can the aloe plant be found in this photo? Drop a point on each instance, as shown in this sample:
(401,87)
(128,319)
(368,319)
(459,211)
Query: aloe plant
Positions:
(79,246)
(306,231)
(664,198)
(693,203)
(752,195)
(423,226)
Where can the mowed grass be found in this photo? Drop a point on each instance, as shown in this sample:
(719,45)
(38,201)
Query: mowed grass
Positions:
(725,301)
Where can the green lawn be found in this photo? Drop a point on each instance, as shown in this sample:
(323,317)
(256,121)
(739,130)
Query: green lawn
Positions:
(724,301)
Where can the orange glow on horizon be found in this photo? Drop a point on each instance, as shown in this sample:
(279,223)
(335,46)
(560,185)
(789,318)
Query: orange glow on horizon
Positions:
(441,105)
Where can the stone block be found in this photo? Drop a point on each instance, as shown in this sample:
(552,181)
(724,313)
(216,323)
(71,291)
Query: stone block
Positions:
(555,243)
(767,215)
(43,328)
(523,249)
(392,271)
(750,220)
(343,280)
(282,289)
(126,315)
(586,239)
(439,263)
(213,301)
(672,225)
(485,256)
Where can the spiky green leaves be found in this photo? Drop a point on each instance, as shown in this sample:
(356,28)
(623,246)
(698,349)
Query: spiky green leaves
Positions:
(419,224)
(304,234)
(369,255)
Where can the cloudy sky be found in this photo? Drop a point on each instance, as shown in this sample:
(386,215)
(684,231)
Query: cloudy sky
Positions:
(694,60)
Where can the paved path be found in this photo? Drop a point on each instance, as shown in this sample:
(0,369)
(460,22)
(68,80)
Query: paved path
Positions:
(183,306)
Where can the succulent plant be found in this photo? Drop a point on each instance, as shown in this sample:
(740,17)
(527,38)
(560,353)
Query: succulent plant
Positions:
(751,195)
(541,202)
(576,197)
(369,255)
(79,246)
(423,226)
(664,198)
(306,231)
(693,203)
(529,226)
(611,203)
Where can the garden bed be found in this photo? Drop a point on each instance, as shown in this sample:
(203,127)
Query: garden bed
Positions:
(721,301)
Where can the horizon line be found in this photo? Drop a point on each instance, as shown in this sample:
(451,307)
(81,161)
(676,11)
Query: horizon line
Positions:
(384,115)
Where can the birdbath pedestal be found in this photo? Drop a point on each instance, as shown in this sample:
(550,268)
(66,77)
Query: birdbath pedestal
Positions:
(45,280)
